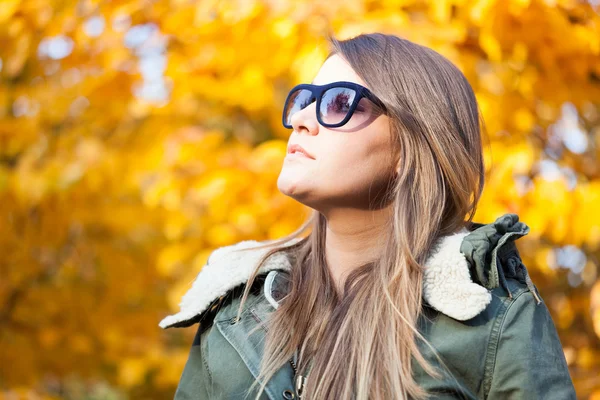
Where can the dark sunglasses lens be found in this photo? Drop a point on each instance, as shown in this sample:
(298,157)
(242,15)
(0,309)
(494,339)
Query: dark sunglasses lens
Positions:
(297,100)
(335,104)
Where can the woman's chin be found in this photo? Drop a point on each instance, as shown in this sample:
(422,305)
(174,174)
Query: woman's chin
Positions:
(290,185)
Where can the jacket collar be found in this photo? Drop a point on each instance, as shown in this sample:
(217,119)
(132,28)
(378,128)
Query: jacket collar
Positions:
(447,282)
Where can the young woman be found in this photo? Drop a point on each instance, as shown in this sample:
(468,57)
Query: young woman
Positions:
(392,294)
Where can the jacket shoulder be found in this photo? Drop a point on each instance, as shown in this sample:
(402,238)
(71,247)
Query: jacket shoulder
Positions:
(221,304)
(223,277)
(510,349)
(527,354)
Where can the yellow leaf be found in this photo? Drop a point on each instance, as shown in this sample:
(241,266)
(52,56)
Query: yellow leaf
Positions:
(440,10)
(132,371)
(171,256)
(7,9)
(491,46)
(524,120)
(596,321)
(221,235)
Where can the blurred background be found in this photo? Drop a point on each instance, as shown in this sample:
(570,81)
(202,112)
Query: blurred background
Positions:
(136,136)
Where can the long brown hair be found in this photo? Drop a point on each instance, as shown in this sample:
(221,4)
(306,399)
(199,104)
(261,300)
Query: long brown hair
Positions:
(359,345)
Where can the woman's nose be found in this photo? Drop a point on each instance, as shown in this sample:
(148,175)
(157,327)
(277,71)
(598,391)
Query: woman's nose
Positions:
(306,119)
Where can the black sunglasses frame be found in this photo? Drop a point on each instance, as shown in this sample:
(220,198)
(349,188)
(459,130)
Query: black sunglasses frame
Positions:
(317,94)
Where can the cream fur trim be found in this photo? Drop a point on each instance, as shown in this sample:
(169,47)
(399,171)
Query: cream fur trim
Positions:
(447,285)
(224,270)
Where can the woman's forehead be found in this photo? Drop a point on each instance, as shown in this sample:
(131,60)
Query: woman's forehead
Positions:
(335,69)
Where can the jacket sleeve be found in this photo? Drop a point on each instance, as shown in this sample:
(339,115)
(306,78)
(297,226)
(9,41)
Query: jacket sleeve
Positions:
(530,362)
(195,377)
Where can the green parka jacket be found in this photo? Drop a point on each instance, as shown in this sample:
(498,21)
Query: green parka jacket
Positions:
(482,314)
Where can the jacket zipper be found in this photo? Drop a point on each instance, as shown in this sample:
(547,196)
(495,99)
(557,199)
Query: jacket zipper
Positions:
(299,379)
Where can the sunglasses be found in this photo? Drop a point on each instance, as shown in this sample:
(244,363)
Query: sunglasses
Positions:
(338,103)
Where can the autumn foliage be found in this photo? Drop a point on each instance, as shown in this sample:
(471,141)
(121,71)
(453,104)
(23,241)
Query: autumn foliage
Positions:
(136,136)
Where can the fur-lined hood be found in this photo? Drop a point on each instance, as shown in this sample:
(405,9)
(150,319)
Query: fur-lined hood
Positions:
(459,273)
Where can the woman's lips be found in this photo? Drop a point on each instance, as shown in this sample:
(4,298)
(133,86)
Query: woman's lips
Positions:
(297,154)
(297,149)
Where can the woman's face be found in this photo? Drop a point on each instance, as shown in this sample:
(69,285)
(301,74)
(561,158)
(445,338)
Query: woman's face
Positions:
(351,163)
